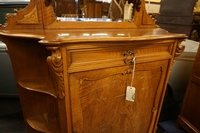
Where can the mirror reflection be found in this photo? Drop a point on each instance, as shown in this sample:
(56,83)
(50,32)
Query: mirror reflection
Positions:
(94,10)
(152,7)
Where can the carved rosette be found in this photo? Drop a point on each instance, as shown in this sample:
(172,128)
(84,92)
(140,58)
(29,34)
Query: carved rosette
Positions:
(56,65)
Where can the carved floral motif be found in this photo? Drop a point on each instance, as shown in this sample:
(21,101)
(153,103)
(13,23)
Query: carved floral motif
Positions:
(56,64)
(128,56)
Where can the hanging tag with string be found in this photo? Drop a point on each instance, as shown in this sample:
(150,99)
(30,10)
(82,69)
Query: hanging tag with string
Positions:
(130,90)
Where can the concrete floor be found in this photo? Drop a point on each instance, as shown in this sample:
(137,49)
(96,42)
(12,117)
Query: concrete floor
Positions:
(11,118)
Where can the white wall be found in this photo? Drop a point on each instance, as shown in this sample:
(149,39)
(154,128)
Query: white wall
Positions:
(152,7)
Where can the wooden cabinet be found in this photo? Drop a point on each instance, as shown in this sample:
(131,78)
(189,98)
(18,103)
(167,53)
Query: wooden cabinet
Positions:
(73,80)
(98,78)
(86,82)
(190,112)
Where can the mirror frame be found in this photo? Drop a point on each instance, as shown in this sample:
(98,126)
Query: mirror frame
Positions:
(39,14)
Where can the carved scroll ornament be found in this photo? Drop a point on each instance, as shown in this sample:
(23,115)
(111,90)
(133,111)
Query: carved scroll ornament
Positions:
(179,49)
(56,64)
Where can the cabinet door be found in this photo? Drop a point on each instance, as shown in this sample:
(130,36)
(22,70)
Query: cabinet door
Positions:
(190,113)
(98,98)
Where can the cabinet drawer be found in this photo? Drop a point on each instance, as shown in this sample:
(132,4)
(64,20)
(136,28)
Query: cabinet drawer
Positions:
(116,55)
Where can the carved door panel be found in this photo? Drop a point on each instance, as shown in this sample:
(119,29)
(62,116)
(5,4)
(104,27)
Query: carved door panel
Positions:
(98,98)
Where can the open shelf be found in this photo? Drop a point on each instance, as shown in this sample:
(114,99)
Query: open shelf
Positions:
(41,84)
(44,123)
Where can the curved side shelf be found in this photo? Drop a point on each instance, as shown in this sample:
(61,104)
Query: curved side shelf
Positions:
(44,123)
(41,84)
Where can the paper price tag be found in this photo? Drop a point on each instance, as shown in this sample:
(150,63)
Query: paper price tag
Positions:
(130,93)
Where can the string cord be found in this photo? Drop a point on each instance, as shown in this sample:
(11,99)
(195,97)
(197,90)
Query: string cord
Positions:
(133,73)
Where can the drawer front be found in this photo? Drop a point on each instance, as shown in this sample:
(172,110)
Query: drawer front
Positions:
(82,59)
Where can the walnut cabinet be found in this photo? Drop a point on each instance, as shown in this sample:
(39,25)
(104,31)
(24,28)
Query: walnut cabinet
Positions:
(72,76)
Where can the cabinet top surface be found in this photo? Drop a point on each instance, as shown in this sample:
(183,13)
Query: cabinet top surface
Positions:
(91,35)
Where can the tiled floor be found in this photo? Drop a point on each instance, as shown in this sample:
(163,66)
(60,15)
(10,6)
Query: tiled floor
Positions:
(11,118)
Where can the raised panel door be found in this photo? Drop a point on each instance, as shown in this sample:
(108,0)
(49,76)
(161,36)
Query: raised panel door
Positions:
(98,98)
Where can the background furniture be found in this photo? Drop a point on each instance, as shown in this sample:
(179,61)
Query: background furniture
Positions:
(72,76)
(189,115)
(7,82)
(9,6)
(184,63)
(176,16)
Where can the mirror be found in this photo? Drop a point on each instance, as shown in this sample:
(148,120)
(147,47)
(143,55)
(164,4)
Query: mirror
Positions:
(137,18)
(95,10)
(152,7)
